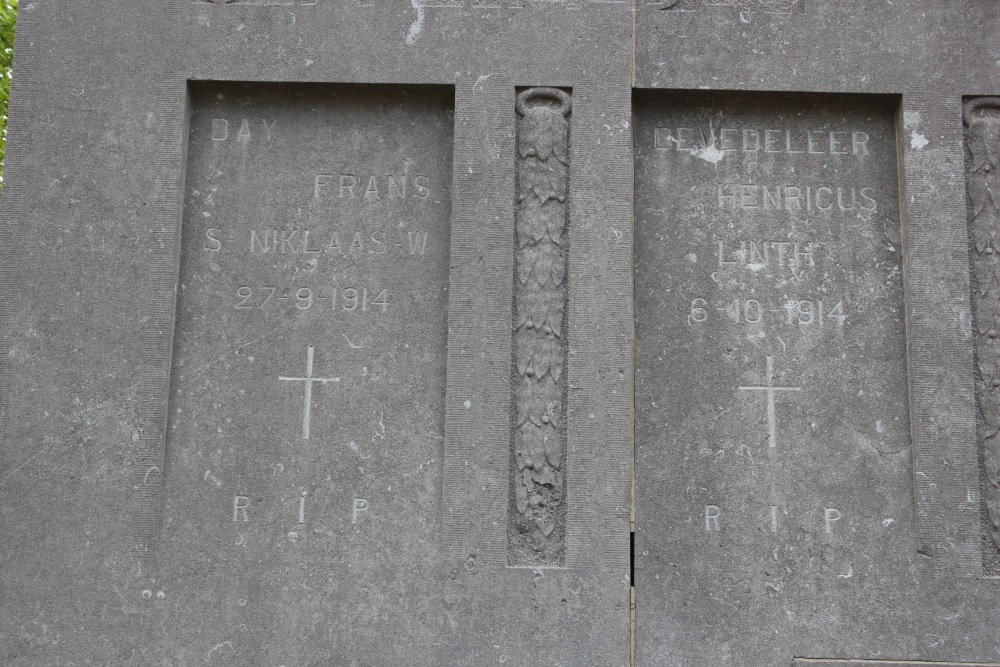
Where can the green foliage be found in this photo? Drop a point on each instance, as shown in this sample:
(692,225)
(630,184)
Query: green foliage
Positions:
(8,16)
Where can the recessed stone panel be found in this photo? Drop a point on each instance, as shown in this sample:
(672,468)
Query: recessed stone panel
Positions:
(302,484)
(772,432)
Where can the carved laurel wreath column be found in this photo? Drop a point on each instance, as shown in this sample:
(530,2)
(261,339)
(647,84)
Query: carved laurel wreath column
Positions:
(982,121)
(536,529)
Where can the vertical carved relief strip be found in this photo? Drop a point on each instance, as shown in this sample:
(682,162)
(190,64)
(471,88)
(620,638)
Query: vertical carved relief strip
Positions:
(537,524)
(982,142)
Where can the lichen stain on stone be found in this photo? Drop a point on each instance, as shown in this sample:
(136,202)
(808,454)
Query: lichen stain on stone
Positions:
(918,140)
(418,24)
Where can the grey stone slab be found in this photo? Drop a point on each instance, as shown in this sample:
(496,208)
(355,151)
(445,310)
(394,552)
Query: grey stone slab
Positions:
(137,284)
(948,553)
(122,302)
(880,49)
(818,46)
(303,448)
(774,471)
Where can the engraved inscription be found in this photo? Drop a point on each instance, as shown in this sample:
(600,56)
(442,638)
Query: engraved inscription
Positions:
(242,510)
(982,121)
(536,527)
(792,312)
(370,186)
(825,519)
(357,511)
(240,505)
(245,131)
(761,140)
(712,514)
(346,299)
(341,221)
(819,198)
(830,516)
(318,241)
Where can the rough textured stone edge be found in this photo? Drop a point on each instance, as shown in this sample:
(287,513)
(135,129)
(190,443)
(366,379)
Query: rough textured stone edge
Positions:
(804,662)
(477,408)
(13,210)
(939,341)
(600,377)
(982,176)
(745,7)
(161,261)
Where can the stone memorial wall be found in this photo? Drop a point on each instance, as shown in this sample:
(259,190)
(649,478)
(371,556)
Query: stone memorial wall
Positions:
(520,332)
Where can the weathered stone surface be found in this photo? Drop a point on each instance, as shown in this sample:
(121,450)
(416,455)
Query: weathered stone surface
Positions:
(692,583)
(229,436)
(257,315)
(772,435)
(982,150)
(306,416)
(799,662)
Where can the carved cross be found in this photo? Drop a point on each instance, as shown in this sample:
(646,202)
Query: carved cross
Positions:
(309,380)
(770,389)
